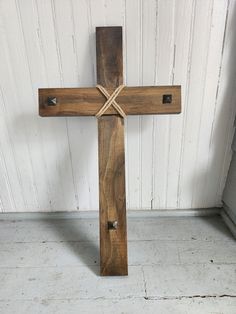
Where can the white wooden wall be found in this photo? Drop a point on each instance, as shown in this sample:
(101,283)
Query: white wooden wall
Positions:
(181,161)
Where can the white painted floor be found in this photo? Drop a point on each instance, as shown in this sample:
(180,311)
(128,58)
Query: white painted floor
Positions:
(176,265)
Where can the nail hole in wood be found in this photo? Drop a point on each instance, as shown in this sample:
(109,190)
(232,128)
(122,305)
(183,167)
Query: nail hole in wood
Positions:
(167,99)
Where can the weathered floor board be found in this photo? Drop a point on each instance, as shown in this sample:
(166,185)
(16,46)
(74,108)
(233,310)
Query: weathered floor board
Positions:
(164,229)
(141,252)
(176,265)
(224,305)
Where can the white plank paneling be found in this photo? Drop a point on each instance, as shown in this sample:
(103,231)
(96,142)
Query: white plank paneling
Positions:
(193,113)
(6,196)
(55,133)
(133,55)
(183,24)
(223,126)
(8,166)
(84,130)
(64,25)
(149,24)
(165,55)
(17,94)
(205,149)
(171,161)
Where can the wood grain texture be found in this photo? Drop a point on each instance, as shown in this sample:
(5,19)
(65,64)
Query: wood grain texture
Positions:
(109,56)
(88,101)
(112,200)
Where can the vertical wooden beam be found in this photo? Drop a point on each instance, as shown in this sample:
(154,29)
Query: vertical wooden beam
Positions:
(112,201)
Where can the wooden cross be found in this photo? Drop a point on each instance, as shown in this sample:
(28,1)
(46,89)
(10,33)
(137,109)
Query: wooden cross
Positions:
(88,102)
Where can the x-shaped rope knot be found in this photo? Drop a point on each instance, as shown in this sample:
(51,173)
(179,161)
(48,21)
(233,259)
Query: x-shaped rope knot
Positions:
(110,101)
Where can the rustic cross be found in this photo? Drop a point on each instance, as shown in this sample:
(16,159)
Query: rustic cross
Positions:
(110,112)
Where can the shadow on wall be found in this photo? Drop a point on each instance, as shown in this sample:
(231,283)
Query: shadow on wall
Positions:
(60,174)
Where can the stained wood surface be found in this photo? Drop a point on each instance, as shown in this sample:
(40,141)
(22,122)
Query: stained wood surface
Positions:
(88,101)
(109,56)
(112,199)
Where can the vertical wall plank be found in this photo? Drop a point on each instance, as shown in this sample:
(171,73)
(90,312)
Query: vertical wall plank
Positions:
(84,157)
(28,24)
(64,23)
(183,23)
(114,12)
(17,93)
(149,23)
(223,125)
(133,44)
(163,76)
(193,113)
(6,195)
(38,31)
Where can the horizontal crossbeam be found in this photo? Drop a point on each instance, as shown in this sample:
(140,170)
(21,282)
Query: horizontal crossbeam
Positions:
(88,101)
